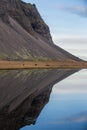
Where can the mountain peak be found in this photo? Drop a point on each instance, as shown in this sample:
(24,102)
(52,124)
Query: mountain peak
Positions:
(25,35)
(25,14)
(9,1)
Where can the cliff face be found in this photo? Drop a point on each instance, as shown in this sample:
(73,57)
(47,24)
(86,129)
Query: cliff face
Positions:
(24,35)
(26,15)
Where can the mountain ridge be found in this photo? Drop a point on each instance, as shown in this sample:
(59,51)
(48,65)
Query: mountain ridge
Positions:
(25,35)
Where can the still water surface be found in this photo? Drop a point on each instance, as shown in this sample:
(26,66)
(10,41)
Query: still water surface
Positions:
(43,99)
(67,108)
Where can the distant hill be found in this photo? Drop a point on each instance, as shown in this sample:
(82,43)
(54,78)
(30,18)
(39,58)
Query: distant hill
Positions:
(25,36)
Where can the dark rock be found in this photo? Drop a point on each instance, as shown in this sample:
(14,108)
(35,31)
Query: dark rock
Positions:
(24,35)
(27,15)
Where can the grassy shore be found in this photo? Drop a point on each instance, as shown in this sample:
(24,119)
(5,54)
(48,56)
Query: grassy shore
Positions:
(42,64)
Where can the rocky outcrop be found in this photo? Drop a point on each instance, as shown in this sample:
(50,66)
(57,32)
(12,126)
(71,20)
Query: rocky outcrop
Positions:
(25,36)
(26,15)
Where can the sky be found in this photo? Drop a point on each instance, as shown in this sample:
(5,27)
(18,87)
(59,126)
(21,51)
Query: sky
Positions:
(67,20)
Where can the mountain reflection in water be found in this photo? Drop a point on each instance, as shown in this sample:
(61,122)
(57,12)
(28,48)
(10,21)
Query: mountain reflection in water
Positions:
(24,93)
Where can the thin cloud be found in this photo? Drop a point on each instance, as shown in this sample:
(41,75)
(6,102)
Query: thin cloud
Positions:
(77,9)
(80,10)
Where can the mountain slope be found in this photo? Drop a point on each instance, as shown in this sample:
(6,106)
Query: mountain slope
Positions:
(24,35)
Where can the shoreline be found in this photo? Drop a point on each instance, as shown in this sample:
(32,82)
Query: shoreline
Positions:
(43,65)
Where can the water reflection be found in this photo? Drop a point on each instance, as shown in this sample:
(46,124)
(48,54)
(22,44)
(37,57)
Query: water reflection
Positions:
(24,93)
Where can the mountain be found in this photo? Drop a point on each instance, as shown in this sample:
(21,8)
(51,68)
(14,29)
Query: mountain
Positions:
(24,93)
(25,36)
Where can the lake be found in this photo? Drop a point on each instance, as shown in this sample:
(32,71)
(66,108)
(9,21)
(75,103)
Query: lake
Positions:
(43,99)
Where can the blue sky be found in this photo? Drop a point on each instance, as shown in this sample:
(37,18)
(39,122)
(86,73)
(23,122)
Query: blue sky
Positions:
(67,21)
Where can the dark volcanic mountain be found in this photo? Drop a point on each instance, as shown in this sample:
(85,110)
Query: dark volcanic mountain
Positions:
(24,35)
